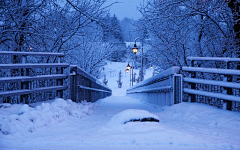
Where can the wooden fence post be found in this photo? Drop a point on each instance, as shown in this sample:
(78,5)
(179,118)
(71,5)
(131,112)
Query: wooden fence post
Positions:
(60,82)
(192,97)
(227,105)
(24,85)
(72,83)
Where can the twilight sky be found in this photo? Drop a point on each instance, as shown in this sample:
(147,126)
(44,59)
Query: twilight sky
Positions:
(126,8)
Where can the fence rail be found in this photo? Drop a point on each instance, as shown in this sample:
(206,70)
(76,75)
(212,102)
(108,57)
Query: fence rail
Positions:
(21,81)
(214,86)
(28,82)
(162,89)
(83,86)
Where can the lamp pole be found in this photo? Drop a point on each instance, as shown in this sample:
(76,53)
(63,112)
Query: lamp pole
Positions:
(129,69)
(135,50)
(132,73)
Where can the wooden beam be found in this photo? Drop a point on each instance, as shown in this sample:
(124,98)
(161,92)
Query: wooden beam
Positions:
(31,53)
(30,91)
(31,78)
(44,65)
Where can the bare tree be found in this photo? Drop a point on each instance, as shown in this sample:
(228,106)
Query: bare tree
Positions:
(188,28)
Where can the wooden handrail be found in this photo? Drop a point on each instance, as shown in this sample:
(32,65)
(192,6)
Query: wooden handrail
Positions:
(31,53)
(225,59)
(212,82)
(211,94)
(212,70)
(30,91)
(28,65)
(31,78)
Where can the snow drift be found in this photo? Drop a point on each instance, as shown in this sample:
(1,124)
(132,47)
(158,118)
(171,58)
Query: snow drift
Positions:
(46,114)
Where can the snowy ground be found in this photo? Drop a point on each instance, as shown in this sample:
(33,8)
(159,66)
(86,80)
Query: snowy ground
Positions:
(66,125)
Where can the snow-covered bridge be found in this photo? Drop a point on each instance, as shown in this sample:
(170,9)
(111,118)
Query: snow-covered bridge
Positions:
(65,124)
(27,81)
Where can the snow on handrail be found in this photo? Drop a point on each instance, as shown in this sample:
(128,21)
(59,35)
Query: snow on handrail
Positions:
(80,71)
(212,70)
(211,82)
(225,59)
(93,89)
(31,78)
(30,65)
(31,53)
(210,94)
(166,73)
(30,91)
(150,90)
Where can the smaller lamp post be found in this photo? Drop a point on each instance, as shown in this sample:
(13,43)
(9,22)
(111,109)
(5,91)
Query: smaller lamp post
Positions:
(135,50)
(127,70)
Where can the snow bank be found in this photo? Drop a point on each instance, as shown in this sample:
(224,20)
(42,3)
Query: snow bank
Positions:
(128,115)
(201,114)
(27,118)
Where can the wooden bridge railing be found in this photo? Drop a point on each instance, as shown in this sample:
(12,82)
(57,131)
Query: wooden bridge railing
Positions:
(162,89)
(83,86)
(219,86)
(214,86)
(24,80)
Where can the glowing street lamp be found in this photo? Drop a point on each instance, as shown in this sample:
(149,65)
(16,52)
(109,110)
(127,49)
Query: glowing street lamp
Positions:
(128,67)
(135,49)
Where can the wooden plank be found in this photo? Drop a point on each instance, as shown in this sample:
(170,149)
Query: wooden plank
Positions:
(211,94)
(212,82)
(212,70)
(225,59)
(149,90)
(165,74)
(27,91)
(81,72)
(31,78)
(44,65)
(92,89)
(31,53)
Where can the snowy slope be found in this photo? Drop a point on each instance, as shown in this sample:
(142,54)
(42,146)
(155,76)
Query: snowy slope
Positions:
(111,70)
(66,125)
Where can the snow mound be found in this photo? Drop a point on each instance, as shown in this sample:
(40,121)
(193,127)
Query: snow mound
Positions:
(131,115)
(201,114)
(23,109)
(45,114)
(5,105)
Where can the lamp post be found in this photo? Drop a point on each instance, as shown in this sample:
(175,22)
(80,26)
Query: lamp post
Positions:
(129,69)
(135,50)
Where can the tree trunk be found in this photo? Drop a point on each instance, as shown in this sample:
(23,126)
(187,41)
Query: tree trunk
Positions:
(234,5)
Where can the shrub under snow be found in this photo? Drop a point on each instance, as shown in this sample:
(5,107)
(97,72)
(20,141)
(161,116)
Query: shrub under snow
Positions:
(129,115)
(29,118)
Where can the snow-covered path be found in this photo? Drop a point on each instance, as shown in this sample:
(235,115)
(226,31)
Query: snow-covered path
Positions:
(182,126)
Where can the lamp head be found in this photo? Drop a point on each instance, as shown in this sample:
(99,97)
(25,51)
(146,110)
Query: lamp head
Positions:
(128,66)
(135,49)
